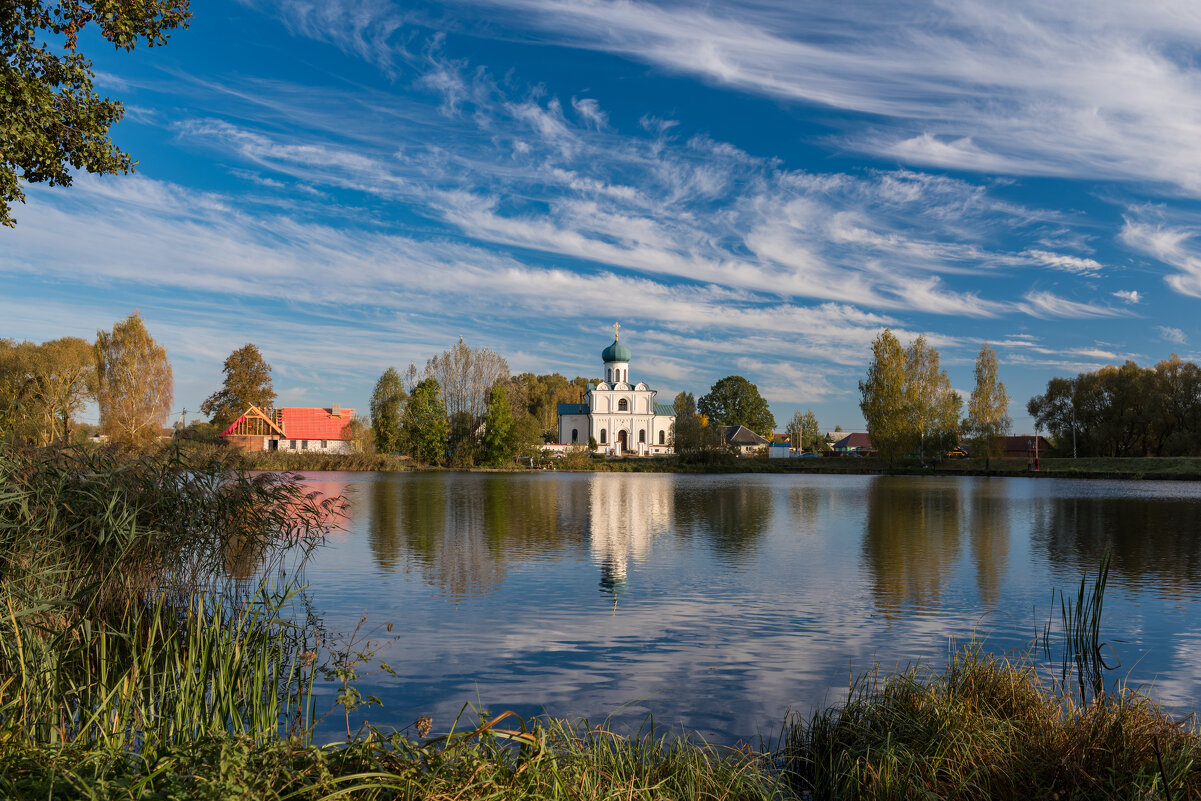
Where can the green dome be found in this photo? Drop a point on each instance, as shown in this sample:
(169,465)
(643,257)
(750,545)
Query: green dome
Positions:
(616,352)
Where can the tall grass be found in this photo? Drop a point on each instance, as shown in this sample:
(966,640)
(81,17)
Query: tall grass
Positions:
(138,603)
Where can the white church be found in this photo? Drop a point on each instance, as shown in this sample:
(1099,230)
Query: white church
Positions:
(623,418)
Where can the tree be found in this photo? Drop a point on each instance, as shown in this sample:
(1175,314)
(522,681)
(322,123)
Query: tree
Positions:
(247,383)
(42,387)
(498,428)
(424,424)
(933,407)
(883,397)
(53,120)
(804,433)
(988,410)
(466,376)
(693,438)
(387,401)
(734,401)
(134,383)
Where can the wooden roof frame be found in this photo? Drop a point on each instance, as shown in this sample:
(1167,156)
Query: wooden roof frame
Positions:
(257,414)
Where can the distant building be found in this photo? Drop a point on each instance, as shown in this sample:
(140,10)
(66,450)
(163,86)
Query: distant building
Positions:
(855,442)
(1022,446)
(622,417)
(742,439)
(296,429)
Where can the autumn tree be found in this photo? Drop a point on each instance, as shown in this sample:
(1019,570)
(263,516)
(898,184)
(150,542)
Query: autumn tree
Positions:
(988,410)
(734,401)
(134,383)
(387,401)
(466,376)
(498,429)
(43,387)
(932,407)
(883,397)
(53,120)
(247,383)
(424,424)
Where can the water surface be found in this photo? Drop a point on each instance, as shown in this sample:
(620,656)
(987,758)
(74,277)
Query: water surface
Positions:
(716,603)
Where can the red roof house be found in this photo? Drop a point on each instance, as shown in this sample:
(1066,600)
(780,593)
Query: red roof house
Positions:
(293,428)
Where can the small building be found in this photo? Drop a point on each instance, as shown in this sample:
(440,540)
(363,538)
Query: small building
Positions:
(744,441)
(856,442)
(1025,446)
(779,450)
(296,429)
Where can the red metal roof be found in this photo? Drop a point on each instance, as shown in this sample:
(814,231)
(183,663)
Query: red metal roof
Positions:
(304,423)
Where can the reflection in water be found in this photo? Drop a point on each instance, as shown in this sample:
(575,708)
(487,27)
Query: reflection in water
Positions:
(1154,539)
(989,528)
(732,516)
(911,539)
(626,514)
(462,533)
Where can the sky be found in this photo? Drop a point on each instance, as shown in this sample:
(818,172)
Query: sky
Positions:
(751,188)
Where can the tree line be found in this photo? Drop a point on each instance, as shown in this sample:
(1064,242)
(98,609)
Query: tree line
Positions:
(44,387)
(1124,410)
(909,406)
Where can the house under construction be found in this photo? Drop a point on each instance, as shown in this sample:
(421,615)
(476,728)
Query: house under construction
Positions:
(293,429)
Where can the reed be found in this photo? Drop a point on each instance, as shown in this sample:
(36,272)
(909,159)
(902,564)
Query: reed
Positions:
(139,607)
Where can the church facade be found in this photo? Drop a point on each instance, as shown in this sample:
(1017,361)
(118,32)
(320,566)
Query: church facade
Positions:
(622,417)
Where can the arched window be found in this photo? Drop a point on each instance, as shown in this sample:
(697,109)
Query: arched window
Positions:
(662,437)
(625,375)
(602,441)
(609,373)
(623,405)
(642,435)
(575,435)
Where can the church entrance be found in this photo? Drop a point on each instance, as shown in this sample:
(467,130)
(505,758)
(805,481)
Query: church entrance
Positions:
(621,441)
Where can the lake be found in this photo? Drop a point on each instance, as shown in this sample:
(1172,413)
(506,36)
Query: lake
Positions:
(717,603)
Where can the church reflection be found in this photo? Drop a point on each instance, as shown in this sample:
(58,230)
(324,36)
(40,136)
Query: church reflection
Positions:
(626,513)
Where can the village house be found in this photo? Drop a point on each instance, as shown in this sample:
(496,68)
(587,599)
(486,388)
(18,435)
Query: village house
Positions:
(295,429)
(744,441)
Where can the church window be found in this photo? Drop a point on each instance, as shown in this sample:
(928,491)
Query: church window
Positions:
(575,435)
(609,373)
(602,440)
(642,435)
(662,437)
(623,405)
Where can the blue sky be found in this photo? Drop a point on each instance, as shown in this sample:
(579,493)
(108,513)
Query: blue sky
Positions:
(750,188)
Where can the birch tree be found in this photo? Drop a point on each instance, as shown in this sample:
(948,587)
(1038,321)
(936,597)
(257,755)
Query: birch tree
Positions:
(134,383)
(883,397)
(988,410)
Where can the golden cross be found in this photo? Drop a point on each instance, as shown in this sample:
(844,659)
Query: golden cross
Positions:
(616,331)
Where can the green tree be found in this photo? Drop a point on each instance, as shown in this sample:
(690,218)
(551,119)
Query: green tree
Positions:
(883,400)
(424,423)
(387,401)
(988,410)
(134,383)
(53,121)
(734,401)
(498,428)
(804,433)
(247,383)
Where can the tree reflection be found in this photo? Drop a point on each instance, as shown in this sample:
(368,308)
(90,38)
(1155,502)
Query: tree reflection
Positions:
(1153,539)
(730,517)
(911,539)
(463,532)
(988,528)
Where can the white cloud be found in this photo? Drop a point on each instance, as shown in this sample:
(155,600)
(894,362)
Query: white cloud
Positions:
(1173,335)
(1172,245)
(1128,295)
